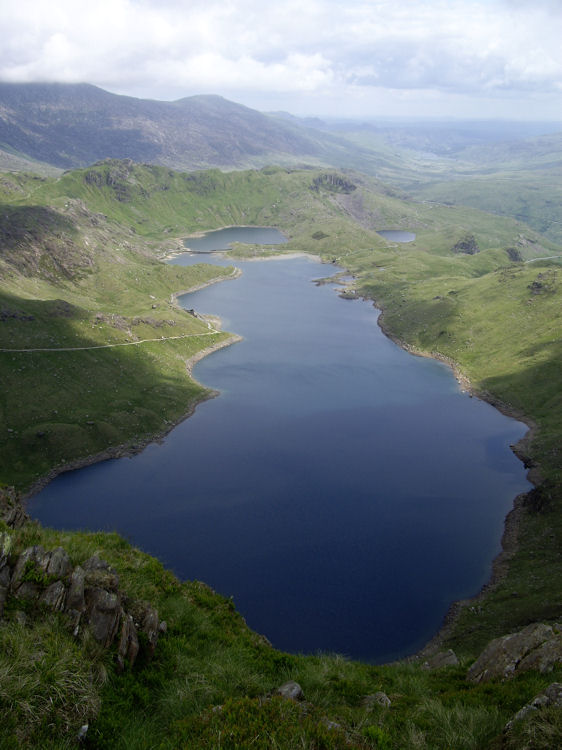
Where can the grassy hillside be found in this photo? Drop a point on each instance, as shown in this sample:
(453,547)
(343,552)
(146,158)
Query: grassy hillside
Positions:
(210,682)
(533,197)
(78,293)
(482,165)
(90,238)
(520,179)
(79,269)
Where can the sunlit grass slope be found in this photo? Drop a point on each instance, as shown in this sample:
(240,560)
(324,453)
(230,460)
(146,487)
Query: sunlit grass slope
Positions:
(90,238)
(78,269)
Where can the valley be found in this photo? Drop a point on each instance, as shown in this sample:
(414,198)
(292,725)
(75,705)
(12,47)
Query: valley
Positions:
(94,355)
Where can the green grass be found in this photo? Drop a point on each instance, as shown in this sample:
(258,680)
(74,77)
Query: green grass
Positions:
(49,685)
(208,658)
(54,406)
(79,268)
(532,197)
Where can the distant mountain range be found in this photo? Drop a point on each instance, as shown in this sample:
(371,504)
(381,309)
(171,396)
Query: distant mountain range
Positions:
(510,168)
(72,125)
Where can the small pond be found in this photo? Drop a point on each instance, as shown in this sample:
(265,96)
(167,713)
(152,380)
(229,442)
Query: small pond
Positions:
(397,235)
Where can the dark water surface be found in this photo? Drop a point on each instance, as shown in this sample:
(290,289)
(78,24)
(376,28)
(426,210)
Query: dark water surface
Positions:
(222,239)
(343,491)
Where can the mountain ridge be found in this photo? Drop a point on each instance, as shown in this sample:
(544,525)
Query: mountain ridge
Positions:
(72,125)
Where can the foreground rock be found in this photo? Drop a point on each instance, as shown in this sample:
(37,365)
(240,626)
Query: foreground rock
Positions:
(89,595)
(11,510)
(552,696)
(442,659)
(376,699)
(538,646)
(290,691)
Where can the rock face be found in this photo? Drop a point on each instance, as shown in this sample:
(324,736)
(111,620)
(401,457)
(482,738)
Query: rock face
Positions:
(552,696)
(11,511)
(538,646)
(442,659)
(128,642)
(103,610)
(89,595)
(5,571)
(290,691)
(466,245)
(54,596)
(333,182)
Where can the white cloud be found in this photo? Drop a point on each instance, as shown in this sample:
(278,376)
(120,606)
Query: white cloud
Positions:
(321,48)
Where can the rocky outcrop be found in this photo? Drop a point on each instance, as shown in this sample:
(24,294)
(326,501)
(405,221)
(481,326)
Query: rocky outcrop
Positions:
(514,254)
(5,571)
(7,314)
(335,183)
(11,510)
(538,646)
(466,245)
(552,696)
(545,283)
(441,659)
(89,595)
(376,699)
(290,691)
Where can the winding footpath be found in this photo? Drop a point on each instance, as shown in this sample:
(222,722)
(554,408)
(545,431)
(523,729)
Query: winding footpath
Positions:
(210,332)
(548,257)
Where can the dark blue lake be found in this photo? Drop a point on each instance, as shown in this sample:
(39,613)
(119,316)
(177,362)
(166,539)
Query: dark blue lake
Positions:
(341,490)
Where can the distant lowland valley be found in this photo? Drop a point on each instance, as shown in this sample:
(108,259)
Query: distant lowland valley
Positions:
(169,405)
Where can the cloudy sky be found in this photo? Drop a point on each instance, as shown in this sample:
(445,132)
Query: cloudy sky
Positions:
(465,58)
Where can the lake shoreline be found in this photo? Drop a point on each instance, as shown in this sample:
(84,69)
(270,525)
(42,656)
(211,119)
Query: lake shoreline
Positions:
(512,521)
(133,447)
(126,450)
(236,273)
(181,248)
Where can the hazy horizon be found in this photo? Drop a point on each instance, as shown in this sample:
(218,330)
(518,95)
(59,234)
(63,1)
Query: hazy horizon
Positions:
(471,59)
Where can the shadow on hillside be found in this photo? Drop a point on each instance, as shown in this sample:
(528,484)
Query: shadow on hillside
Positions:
(64,405)
(537,390)
(39,241)
(536,387)
(24,224)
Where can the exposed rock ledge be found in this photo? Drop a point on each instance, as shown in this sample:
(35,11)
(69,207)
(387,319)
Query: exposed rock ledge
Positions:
(87,594)
(537,646)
